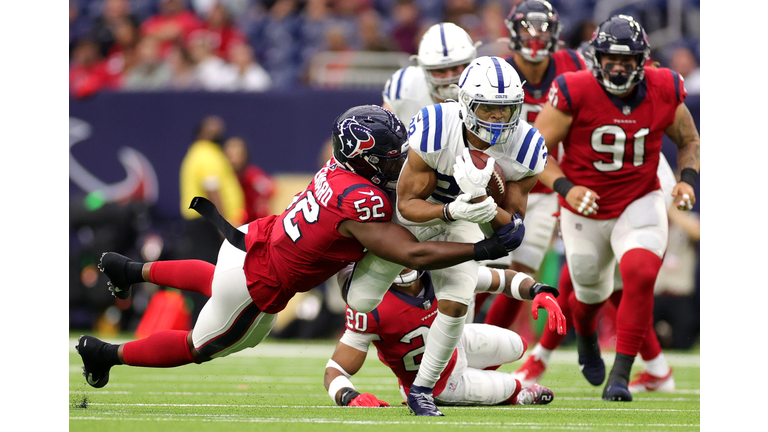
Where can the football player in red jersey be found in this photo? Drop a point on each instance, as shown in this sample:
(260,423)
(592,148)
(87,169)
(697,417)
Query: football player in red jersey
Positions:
(343,213)
(534,30)
(399,327)
(611,121)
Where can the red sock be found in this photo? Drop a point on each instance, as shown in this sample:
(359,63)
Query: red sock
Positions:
(651,347)
(585,316)
(187,275)
(550,339)
(639,268)
(503,311)
(166,348)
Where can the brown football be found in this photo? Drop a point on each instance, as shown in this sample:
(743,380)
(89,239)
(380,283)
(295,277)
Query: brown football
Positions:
(496,186)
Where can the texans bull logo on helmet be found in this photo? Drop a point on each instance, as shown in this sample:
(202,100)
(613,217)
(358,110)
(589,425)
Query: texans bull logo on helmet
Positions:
(355,138)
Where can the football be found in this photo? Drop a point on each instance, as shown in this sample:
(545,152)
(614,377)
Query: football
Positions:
(496,186)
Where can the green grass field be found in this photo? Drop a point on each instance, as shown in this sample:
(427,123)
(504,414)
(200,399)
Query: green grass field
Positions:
(278,386)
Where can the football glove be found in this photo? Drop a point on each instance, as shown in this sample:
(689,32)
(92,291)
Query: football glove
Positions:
(482,212)
(555,317)
(350,397)
(471,179)
(511,235)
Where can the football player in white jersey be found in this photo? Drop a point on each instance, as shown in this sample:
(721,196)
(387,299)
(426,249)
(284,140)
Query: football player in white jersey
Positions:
(445,50)
(434,192)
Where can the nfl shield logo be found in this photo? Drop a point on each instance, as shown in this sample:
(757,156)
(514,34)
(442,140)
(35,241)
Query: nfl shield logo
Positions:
(427,305)
(537,94)
(578,227)
(626,110)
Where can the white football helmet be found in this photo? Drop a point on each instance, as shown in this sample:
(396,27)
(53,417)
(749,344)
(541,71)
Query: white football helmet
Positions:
(491,81)
(444,45)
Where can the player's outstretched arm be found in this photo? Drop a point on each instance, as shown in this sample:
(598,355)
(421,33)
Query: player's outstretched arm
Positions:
(520,286)
(345,362)
(683,133)
(392,242)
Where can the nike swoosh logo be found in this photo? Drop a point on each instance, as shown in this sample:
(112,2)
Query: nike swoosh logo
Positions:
(369,193)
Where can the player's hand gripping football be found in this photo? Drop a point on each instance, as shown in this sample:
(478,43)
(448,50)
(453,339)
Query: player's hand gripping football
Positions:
(472,180)
(463,209)
(367,400)
(583,199)
(685,196)
(544,297)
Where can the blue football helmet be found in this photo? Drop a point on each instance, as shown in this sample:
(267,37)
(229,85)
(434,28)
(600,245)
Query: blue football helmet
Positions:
(620,34)
(531,20)
(371,142)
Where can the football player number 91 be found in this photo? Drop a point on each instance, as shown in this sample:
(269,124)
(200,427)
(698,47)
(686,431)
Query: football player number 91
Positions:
(617,148)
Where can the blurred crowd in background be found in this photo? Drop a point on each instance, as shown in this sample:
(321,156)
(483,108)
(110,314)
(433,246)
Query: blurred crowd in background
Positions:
(282,45)
(258,45)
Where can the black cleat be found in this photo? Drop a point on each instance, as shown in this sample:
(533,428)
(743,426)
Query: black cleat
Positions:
(422,403)
(593,369)
(113,265)
(617,392)
(95,368)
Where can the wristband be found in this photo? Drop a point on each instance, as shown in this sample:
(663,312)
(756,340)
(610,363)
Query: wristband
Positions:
(347,394)
(515,285)
(562,186)
(445,214)
(689,175)
(337,384)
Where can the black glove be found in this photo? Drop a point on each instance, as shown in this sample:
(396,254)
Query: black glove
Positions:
(539,288)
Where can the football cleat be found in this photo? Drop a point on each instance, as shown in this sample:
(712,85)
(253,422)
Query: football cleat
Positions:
(535,394)
(593,369)
(617,392)
(422,403)
(113,265)
(647,382)
(531,371)
(95,369)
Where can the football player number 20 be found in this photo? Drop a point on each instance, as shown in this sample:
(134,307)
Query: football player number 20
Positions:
(617,148)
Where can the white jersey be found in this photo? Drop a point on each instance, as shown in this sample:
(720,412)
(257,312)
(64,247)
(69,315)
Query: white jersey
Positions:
(407,92)
(436,134)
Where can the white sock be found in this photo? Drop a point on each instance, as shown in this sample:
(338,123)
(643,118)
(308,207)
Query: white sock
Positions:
(657,366)
(442,339)
(542,353)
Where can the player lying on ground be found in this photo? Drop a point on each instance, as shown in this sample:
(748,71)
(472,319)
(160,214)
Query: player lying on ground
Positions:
(343,213)
(399,329)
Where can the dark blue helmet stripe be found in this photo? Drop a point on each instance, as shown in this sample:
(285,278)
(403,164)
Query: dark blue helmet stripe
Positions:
(424,129)
(442,38)
(499,75)
(438,126)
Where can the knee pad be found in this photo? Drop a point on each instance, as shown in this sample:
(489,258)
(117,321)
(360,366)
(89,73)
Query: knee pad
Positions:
(583,266)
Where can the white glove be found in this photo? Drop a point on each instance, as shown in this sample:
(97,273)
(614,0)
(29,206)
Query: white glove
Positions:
(482,212)
(472,180)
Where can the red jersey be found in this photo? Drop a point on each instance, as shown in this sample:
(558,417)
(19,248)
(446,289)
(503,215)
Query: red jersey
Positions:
(560,62)
(258,189)
(402,322)
(301,248)
(613,145)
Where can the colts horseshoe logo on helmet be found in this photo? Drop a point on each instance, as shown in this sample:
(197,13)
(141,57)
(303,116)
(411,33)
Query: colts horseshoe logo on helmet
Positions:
(355,138)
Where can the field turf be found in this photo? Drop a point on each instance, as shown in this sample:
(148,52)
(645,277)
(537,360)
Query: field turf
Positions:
(278,386)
